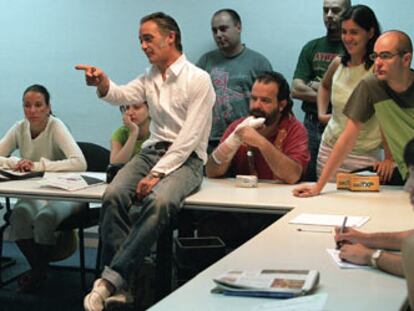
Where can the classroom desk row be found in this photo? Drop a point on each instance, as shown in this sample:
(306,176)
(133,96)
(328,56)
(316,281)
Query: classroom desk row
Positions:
(280,245)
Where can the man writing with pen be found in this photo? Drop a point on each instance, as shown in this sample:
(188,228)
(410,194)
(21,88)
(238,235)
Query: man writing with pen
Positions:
(373,248)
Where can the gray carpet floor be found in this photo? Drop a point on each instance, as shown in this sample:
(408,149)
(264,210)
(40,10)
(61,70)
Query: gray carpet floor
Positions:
(60,291)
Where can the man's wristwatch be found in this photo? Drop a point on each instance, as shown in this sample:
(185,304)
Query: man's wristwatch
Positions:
(156,174)
(375,257)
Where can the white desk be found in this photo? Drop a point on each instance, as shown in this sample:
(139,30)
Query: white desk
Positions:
(222,195)
(30,188)
(281,246)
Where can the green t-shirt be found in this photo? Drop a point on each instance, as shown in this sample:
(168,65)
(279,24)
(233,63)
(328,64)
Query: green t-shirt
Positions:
(313,62)
(394,112)
(121,135)
(232,79)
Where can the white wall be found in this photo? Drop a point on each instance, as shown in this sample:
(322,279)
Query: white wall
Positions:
(41,41)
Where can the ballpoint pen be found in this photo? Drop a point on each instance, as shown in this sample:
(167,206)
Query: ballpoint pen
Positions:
(339,243)
(313,230)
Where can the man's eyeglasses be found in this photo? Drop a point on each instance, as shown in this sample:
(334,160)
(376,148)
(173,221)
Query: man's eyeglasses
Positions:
(384,55)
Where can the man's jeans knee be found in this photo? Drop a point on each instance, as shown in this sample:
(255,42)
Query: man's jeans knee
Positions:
(129,231)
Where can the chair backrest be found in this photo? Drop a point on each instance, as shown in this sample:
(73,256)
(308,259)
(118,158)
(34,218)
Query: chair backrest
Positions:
(408,264)
(97,157)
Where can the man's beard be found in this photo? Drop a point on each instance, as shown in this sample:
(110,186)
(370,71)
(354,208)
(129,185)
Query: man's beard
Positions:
(333,33)
(269,118)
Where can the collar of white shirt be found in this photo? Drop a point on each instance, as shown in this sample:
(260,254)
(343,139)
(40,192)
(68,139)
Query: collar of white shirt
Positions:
(174,68)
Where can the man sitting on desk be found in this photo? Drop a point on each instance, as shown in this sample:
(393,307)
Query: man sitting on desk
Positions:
(271,143)
(370,248)
(148,191)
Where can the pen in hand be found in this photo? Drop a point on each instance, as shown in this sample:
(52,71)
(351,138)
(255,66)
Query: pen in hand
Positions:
(339,243)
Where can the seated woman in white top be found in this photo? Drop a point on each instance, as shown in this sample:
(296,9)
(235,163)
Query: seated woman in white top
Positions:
(360,29)
(44,144)
(127,140)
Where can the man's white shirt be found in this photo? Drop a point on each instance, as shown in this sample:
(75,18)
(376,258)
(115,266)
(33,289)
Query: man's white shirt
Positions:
(180,108)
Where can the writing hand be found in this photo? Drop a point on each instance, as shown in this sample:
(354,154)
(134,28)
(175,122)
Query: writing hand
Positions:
(350,236)
(356,253)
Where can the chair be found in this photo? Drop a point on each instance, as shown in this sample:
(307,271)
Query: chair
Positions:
(97,159)
(5,261)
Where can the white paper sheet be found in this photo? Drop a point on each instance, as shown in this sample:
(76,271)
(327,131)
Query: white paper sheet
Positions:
(343,264)
(70,181)
(307,303)
(328,220)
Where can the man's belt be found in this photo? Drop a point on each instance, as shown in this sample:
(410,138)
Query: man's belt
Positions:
(161,145)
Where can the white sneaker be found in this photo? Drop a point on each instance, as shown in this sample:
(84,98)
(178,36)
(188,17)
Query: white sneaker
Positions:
(94,301)
(119,299)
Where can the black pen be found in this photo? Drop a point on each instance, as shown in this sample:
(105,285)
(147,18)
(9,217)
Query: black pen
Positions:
(339,243)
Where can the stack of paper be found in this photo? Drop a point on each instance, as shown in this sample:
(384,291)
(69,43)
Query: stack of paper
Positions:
(328,220)
(276,283)
(70,182)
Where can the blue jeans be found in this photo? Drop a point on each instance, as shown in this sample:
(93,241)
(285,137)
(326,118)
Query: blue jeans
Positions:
(128,227)
(315,130)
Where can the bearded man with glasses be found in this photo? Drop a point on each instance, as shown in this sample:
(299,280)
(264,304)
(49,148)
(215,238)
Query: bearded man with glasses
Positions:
(387,95)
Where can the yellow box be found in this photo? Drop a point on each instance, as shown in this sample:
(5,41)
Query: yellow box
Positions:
(362,181)
(343,180)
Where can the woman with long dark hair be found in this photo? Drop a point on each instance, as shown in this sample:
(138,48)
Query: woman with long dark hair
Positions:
(360,30)
(44,144)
